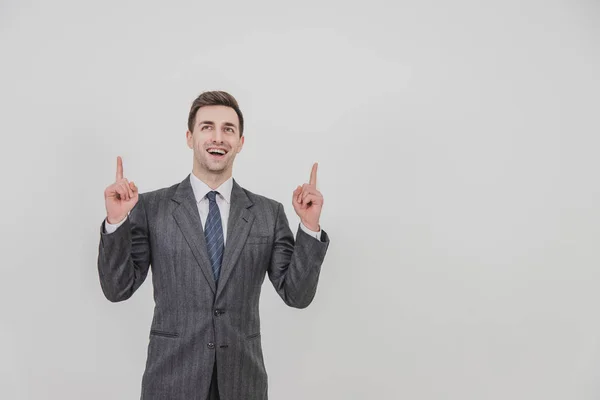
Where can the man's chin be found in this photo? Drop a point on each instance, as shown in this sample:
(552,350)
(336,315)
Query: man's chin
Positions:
(214,167)
(220,167)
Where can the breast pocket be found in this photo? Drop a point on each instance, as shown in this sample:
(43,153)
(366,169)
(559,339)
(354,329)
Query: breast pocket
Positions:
(258,239)
(255,257)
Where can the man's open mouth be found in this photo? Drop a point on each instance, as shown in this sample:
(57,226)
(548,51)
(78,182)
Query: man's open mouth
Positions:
(216,152)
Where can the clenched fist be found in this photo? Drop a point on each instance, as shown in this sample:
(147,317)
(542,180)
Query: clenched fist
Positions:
(120,197)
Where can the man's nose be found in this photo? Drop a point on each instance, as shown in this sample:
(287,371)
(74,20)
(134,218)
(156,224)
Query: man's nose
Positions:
(217,135)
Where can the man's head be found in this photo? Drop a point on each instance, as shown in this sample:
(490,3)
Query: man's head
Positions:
(215,133)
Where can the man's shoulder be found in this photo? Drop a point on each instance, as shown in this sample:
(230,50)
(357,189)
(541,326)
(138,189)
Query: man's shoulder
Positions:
(166,193)
(261,200)
(160,194)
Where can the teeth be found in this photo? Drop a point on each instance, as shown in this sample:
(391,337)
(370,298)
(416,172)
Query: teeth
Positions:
(219,151)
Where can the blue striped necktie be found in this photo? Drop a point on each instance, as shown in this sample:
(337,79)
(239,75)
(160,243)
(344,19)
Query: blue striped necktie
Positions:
(213,232)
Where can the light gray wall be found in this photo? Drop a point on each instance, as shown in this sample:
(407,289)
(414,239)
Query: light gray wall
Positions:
(458,148)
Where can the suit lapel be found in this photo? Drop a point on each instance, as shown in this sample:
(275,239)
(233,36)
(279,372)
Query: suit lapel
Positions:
(240,220)
(187,217)
(238,228)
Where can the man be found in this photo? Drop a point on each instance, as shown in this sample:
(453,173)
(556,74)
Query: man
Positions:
(210,243)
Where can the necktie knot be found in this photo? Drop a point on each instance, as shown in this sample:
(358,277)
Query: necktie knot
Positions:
(212,196)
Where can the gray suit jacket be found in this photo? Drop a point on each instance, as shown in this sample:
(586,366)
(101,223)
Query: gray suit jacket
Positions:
(197,322)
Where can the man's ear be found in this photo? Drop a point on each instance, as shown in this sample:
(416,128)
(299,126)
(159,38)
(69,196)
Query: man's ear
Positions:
(241,144)
(189,137)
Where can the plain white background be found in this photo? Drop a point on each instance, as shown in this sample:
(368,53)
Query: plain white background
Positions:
(458,148)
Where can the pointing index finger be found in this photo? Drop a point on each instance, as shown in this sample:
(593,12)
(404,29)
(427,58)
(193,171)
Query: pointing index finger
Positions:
(313,174)
(119,168)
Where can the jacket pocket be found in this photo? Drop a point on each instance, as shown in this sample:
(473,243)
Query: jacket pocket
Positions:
(156,332)
(253,336)
(258,239)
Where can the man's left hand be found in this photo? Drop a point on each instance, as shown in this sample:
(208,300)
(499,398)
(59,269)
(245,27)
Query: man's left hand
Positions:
(308,202)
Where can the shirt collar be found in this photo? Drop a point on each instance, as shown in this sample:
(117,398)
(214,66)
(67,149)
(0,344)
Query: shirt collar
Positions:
(201,189)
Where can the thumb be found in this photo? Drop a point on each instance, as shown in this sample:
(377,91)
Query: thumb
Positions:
(297,192)
(133,188)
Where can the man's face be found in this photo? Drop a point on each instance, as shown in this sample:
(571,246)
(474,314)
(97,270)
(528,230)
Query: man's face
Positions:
(215,138)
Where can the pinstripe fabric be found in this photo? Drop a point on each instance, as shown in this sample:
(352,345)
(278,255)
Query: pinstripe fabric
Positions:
(197,322)
(213,233)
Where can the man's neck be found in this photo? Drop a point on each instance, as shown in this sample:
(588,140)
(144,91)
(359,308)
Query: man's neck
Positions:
(211,179)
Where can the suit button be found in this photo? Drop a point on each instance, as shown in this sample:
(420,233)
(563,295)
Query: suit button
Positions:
(211,345)
(218,313)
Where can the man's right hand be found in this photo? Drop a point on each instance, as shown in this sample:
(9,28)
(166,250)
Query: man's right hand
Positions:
(120,197)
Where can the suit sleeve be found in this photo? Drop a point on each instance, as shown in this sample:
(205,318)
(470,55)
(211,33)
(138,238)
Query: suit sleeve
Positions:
(295,264)
(124,255)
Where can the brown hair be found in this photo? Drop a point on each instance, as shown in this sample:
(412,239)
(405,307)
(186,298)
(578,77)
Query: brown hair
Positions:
(215,98)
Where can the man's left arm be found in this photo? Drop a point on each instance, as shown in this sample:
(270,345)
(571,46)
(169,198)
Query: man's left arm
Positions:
(316,235)
(296,264)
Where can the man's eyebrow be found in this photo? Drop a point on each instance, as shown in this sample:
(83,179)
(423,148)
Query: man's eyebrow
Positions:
(212,123)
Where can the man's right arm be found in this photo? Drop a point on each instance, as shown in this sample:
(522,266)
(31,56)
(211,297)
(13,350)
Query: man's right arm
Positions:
(110,228)
(124,254)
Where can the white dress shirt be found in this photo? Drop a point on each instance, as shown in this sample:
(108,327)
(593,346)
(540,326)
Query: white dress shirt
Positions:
(223,201)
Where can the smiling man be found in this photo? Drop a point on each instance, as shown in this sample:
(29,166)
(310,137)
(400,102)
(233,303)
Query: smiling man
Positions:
(210,244)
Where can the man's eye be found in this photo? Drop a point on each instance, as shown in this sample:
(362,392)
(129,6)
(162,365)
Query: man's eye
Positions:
(229,130)
(206,126)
